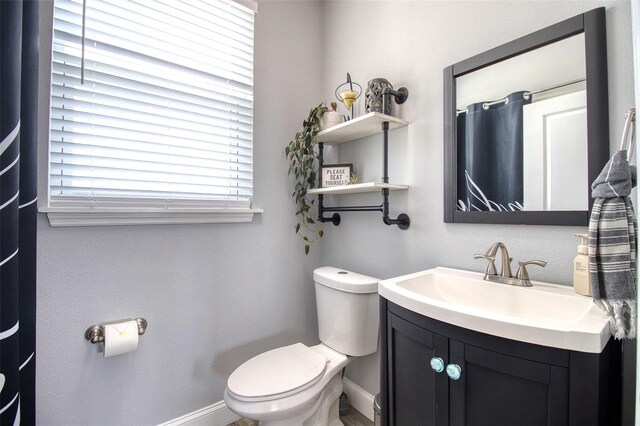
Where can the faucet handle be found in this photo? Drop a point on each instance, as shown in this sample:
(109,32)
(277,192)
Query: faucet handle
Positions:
(522,273)
(491,267)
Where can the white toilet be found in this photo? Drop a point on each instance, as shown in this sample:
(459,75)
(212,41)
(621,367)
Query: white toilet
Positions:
(298,385)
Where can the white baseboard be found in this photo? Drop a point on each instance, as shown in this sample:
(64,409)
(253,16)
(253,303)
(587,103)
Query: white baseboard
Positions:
(219,415)
(359,398)
(214,415)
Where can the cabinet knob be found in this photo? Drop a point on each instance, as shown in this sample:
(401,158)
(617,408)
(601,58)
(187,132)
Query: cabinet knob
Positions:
(454,371)
(437,364)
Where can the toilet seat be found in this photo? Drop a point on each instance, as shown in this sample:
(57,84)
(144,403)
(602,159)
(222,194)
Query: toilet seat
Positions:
(277,373)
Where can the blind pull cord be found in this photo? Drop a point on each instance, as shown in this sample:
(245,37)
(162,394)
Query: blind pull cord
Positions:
(84,19)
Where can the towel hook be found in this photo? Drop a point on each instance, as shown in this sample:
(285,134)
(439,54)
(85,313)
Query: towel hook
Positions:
(628,142)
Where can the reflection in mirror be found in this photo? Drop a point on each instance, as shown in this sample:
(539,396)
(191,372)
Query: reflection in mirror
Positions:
(521,132)
(526,127)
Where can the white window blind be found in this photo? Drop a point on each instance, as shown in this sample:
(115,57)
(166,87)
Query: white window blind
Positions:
(164,116)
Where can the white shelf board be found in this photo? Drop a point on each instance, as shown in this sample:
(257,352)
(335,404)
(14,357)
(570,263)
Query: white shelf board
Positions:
(358,187)
(365,125)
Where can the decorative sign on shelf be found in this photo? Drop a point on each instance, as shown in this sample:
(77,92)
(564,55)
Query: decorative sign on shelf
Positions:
(335,175)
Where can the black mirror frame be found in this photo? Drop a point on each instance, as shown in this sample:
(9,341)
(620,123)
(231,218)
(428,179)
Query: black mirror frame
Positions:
(593,25)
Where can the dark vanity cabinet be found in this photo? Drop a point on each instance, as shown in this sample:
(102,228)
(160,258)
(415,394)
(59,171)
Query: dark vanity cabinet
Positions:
(434,373)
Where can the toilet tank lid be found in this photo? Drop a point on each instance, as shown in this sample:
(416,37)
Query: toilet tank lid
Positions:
(344,280)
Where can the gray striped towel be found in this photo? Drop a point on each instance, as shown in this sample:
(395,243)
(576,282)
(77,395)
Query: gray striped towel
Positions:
(612,246)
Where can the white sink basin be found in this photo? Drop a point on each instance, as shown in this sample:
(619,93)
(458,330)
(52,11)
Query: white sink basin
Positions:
(545,314)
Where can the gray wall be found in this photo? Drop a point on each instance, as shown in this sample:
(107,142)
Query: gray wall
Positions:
(410,43)
(214,295)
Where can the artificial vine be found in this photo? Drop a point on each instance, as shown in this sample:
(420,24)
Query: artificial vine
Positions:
(302,155)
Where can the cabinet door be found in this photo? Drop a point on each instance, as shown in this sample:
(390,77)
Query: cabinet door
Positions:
(501,390)
(418,395)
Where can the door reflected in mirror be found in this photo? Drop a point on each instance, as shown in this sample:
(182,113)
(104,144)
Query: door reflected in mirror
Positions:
(555,153)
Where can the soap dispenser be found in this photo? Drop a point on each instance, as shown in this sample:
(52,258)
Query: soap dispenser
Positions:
(581,278)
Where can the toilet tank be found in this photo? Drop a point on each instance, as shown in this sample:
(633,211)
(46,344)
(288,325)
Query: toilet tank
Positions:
(348,306)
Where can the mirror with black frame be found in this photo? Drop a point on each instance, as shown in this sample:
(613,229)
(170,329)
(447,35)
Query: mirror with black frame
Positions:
(526,127)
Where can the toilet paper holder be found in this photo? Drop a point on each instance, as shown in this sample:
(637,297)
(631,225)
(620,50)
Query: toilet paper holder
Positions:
(95,333)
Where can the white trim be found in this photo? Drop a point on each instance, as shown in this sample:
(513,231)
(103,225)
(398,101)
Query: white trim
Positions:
(359,398)
(217,414)
(249,4)
(59,217)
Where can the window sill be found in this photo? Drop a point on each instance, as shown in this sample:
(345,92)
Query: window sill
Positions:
(65,217)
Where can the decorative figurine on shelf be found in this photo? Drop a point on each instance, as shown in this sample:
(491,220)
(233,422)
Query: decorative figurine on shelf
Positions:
(355,179)
(373,96)
(331,117)
(347,94)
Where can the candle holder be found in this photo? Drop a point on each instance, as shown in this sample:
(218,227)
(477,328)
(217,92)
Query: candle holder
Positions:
(347,94)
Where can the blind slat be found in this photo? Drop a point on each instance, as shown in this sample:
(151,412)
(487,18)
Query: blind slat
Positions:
(97,114)
(112,93)
(149,74)
(144,150)
(162,164)
(166,107)
(102,135)
(106,175)
(71,24)
(152,23)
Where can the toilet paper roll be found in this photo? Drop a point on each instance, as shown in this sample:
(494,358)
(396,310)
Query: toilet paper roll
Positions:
(120,338)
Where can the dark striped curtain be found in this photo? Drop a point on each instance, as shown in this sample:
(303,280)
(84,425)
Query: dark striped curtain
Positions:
(490,163)
(18,137)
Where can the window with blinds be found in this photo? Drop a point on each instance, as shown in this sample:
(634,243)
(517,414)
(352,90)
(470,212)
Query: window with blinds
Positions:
(151,104)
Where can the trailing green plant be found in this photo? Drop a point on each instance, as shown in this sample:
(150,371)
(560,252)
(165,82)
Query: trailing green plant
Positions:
(301,154)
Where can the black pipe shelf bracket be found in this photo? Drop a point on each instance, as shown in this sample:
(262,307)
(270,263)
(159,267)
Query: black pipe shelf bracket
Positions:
(356,129)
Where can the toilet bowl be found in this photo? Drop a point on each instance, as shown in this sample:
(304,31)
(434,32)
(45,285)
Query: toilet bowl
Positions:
(299,385)
(274,403)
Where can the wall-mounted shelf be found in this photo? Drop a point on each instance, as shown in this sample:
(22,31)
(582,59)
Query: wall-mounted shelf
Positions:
(363,126)
(356,188)
(366,125)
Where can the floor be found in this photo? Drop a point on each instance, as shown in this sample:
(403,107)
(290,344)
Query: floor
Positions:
(355,418)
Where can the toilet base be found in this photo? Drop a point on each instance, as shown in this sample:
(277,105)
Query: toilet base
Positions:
(323,412)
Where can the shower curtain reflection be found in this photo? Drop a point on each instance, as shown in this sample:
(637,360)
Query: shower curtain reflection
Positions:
(490,163)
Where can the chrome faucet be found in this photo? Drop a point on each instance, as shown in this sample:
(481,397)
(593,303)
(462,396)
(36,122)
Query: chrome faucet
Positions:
(506,277)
